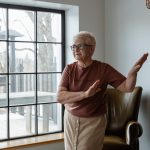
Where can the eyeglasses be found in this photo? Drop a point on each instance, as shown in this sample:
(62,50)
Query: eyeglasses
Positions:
(79,46)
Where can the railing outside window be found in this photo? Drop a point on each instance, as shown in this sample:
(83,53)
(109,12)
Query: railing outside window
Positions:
(31,62)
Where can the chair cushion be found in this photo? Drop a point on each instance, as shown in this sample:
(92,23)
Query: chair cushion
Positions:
(115,143)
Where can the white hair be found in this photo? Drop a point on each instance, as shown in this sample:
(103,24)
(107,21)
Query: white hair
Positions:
(87,36)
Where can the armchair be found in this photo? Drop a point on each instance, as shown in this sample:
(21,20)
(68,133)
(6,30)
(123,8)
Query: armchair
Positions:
(123,130)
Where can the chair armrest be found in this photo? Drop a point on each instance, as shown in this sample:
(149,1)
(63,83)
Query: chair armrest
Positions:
(133,132)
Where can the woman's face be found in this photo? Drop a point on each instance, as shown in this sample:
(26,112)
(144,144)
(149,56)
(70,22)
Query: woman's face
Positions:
(82,50)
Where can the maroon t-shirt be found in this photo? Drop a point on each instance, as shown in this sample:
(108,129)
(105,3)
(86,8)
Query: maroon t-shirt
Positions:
(76,78)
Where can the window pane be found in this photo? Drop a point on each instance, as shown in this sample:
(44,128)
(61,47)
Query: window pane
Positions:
(3,57)
(49,57)
(49,118)
(22,121)
(3,90)
(47,86)
(21,25)
(21,57)
(3,123)
(3,23)
(49,24)
(22,89)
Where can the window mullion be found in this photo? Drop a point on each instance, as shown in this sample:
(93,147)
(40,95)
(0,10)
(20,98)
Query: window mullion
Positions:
(36,106)
(8,104)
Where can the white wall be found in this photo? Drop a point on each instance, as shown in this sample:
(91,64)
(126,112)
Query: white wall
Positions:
(127,37)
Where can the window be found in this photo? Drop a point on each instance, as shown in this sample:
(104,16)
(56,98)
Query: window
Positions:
(31,62)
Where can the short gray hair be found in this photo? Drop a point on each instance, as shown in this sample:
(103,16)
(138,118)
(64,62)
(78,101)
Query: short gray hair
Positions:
(87,36)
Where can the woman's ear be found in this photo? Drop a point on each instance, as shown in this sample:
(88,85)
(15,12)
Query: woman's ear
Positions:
(92,50)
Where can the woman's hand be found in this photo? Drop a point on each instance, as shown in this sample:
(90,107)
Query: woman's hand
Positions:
(93,89)
(138,65)
(129,84)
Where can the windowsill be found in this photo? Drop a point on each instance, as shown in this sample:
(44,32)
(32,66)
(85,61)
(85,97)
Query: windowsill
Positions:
(33,141)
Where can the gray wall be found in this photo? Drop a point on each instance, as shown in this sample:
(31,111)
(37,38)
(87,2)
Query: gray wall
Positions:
(127,37)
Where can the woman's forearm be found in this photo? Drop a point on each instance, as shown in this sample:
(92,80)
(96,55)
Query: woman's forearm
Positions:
(130,82)
(65,97)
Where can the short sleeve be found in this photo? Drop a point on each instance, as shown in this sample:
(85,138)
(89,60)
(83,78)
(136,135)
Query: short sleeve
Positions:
(64,82)
(113,77)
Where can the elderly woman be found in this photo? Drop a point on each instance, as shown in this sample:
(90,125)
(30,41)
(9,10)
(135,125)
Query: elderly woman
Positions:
(82,90)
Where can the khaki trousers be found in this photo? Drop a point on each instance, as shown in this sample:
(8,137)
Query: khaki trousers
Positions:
(84,133)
